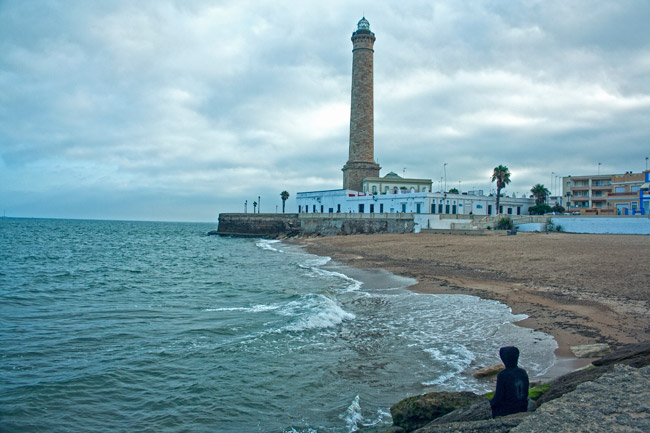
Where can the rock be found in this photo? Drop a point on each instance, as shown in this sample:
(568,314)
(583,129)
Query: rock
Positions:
(590,350)
(635,355)
(489,372)
(474,412)
(415,412)
(618,401)
(569,382)
(213,233)
(502,424)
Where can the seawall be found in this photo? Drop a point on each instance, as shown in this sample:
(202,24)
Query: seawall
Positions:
(287,225)
(258,225)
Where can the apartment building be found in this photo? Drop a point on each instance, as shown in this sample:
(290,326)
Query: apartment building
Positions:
(630,193)
(586,192)
(622,194)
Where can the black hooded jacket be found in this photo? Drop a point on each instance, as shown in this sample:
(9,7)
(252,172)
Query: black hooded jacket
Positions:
(511,395)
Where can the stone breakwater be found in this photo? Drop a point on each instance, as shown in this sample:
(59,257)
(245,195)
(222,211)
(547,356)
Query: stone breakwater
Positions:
(280,226)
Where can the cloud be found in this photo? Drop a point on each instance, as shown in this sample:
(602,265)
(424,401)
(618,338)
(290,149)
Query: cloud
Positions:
(211,104)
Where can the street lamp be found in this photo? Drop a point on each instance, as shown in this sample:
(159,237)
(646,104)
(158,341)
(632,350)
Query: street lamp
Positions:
(552,182)
(445,169)
(599,169)
(259,204)
(246,206)
(646,163)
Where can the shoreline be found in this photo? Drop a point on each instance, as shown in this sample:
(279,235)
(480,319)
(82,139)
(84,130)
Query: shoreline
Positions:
(572,315)
(382,279)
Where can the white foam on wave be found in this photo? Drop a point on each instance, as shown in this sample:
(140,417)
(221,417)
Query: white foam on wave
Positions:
(457,358)
(352,416)
(353,285)
(267,244)
(254,309)
(312,262)
(321,312)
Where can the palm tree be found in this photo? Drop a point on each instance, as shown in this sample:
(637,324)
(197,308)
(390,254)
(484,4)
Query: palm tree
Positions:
(254,206)
(540,192)
(502,175)
(284,195)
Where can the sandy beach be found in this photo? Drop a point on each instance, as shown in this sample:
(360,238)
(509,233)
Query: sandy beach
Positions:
(581,289)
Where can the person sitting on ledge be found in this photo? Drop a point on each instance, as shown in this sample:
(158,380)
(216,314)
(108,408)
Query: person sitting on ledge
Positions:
(511,395)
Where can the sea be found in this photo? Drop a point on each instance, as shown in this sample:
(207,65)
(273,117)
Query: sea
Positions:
(118,326)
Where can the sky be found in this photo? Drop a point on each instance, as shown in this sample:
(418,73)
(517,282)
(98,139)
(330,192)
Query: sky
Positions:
(179,110)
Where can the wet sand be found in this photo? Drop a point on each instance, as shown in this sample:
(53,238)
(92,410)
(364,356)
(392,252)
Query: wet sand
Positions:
(581,289)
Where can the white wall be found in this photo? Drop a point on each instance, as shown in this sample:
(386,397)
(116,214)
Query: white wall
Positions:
(603,225)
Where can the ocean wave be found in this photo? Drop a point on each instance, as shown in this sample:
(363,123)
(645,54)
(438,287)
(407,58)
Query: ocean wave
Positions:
(352,416)
(312,261)
(321,312)
(353,285)
(267,244)
(254,309)
(456,358)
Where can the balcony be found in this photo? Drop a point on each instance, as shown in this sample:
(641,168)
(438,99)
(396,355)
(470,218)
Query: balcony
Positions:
(580,188)
(622,194)
(601,187)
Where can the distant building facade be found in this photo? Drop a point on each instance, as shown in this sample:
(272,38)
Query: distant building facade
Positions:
(348,201)
(621,194)
(392,183)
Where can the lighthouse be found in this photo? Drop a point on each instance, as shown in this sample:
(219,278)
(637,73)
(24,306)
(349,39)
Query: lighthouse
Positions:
(361,162)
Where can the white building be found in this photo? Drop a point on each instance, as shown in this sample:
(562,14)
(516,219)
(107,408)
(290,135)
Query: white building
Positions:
(411,201)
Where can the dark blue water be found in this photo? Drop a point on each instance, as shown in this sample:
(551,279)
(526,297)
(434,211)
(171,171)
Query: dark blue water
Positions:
(154,327)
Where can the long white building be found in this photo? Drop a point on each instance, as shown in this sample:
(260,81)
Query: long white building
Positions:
(410,201)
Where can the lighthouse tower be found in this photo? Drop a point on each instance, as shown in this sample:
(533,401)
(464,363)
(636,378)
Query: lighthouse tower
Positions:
(361,162)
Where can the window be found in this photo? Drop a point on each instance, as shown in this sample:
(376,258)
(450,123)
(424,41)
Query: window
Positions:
(331,210)
(360,208)
(338,208)
(403,207)
(479,206)
(372,208)
(489,209)
(314,208)
(381,207)
(518,210)
(509,211)
(374,189)
(433,208)
(322,208)
(635,188)
(447,208)
(299,208)
(418,207)
(620,189)
(453,209)
(440,208)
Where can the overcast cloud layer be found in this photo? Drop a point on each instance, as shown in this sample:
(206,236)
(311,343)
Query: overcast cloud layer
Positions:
(179,110)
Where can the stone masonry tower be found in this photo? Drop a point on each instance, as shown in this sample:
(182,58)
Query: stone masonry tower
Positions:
(361,162)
